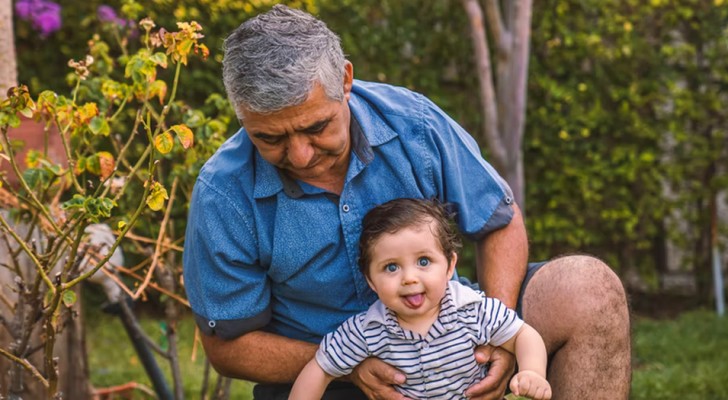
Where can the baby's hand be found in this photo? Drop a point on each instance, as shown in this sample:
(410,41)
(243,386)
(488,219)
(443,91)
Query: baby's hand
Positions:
(530,384)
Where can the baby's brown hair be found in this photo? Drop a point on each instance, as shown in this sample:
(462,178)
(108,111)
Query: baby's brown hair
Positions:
(398,214)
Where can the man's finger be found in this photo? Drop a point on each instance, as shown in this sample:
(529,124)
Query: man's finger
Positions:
(483,354)
(375,378)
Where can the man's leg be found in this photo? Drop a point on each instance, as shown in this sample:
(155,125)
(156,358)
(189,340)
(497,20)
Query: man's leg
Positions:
(579,307)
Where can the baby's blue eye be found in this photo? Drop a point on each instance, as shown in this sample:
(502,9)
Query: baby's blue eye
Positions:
(391,267)
(423,262)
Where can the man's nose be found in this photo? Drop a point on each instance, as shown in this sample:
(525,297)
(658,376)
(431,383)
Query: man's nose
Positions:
(300,151)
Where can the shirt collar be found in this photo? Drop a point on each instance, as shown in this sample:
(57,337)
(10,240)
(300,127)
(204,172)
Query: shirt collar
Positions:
(377,130)
(456,297)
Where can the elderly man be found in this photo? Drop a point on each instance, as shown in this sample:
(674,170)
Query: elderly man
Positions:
(271,246)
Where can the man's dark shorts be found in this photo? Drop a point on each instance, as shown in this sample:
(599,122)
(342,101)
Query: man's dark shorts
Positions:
(348,391)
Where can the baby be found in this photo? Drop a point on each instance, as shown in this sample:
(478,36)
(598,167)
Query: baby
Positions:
(424,323)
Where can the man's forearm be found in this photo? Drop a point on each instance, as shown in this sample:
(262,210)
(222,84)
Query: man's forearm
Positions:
(501,259)
(259,356)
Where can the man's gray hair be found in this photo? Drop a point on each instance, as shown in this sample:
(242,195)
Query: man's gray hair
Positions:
(274,60)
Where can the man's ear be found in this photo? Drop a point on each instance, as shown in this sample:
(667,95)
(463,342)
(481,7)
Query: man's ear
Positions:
(348,79)
(451,266)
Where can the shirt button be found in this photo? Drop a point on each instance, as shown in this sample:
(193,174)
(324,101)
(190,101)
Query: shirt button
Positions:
(345,208)
(211,324)
(426,346)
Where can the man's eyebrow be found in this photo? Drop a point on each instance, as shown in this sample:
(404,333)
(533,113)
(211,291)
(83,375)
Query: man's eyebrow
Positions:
(265,135)
(316,126)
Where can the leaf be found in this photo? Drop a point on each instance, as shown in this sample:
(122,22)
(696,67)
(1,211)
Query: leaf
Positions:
(92,165)
(47,297)
(158,89)
(156,198)
(33,158)
(36,176)
(184,134)
(121,225)
(27,112)
(86,112)
(69,298)
(80,166)
(159,59)
(194,118)
(75,203)
(106,164)
(96,208)
(164,142)
(99,126)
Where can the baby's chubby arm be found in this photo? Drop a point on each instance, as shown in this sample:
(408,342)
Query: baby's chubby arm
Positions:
(530,351)
(311,382)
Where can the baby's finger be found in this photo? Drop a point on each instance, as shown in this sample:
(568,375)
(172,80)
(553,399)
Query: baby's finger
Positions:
(514,386)
(524,386)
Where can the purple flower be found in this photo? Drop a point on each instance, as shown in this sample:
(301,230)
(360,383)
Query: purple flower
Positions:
(106,14)
(44,15)
(23,9)
(47,22)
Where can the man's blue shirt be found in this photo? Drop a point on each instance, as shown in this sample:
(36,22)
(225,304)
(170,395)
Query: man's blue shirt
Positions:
(263,251)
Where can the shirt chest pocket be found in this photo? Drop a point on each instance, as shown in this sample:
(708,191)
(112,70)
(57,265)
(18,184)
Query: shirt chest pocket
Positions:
(306,237)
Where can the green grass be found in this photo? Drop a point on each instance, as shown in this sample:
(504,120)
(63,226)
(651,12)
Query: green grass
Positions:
(113,361)
(685,358)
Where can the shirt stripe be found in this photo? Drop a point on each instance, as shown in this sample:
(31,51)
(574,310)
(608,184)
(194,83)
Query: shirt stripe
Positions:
(439,365)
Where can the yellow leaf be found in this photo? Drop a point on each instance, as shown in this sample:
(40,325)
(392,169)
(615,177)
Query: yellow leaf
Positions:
(184,134)
(156,198)
(164,142)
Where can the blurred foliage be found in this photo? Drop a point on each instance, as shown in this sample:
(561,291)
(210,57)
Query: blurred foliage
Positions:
(625,137)
(626,134)
(126,138)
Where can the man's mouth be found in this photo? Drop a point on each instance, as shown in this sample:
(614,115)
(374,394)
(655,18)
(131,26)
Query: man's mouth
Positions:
(414,300)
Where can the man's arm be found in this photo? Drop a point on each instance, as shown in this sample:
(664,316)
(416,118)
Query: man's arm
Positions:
(268,358)
(259,356)
(501,259)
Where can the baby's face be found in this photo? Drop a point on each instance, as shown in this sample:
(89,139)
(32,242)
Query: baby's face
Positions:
(409,272)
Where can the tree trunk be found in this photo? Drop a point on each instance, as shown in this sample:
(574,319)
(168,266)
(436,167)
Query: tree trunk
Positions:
(503,94)
(70,347)
(8,67)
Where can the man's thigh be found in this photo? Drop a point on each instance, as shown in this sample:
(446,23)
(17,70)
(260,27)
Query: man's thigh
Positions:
(530,272)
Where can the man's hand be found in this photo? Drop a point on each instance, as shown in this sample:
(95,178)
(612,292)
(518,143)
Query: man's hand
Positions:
(502,366)
(375,378)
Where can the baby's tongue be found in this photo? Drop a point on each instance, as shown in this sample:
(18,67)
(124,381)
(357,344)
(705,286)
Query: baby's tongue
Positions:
(415,300)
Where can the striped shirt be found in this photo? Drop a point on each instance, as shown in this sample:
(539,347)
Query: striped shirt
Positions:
(440,365)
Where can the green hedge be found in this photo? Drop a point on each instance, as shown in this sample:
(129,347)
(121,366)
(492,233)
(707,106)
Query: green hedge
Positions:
(625,103)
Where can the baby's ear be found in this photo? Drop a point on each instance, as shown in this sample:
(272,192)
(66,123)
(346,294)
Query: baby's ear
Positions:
(371,285)
(451,266)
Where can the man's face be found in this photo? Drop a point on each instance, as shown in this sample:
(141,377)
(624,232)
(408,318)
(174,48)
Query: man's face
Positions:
(309,141)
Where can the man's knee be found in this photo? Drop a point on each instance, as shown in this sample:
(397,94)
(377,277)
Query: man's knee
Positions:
(578,291)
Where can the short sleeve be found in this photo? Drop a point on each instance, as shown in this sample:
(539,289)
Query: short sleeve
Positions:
(481,198)
(343,349)
(498,322)
(227,288)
